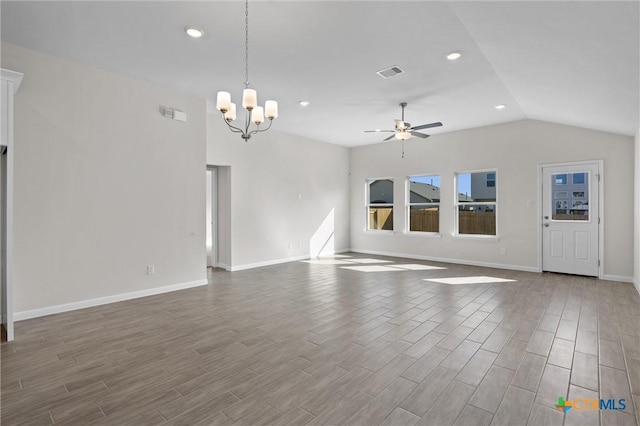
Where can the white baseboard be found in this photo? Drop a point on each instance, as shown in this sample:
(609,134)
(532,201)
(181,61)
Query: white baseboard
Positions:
(223,266)
(620,278)
(50,310)
(636,284)
(267,263)
(278,261)
(449,260)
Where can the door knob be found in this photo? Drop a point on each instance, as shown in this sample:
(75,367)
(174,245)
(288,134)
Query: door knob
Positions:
(546,217)
(546,225)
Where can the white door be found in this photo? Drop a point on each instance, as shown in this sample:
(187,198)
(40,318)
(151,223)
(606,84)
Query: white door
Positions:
(570,222)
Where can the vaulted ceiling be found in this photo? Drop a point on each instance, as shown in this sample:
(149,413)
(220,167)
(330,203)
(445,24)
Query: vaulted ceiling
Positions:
(569,62)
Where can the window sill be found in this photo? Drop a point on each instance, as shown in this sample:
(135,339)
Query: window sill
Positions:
(476,237)
(379,232)
(423,234)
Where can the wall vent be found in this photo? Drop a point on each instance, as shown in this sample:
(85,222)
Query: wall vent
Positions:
(390,72)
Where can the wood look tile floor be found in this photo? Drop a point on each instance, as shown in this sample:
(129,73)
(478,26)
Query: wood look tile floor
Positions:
(352,339)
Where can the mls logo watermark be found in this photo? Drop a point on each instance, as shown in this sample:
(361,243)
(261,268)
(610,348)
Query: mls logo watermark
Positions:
(583,404)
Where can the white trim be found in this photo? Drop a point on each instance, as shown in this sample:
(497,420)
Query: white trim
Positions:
(450,260)
(620,278)
(457,203)
(267,263)
(12,77)
(477,236)
(279,261)
(423,234)
(223,266)
(50,310)
(367,198)
(12,81)
(408,204)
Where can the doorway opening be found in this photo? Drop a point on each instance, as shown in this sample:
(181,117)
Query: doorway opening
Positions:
(218,217)
(3,243)
(571,218)
(212,217)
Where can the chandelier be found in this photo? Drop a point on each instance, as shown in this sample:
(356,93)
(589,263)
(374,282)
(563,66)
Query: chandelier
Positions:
(253,113)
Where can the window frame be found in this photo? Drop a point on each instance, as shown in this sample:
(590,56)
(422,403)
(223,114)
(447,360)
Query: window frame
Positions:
(457,204)
(368,205)
(409,204)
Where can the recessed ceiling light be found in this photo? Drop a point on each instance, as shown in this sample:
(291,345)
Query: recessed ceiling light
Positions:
(304,103)
(454,55)
(194,32)
(501,106)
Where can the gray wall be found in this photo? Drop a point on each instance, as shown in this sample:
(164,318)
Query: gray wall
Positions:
(514,150)
(288,195)
(104,185)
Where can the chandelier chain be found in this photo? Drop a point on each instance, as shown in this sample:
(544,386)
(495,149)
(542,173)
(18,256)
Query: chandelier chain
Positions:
(246,43)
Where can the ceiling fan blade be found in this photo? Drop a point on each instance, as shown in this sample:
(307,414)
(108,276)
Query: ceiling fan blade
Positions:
(379,131)
(420,135)
(427,126)
(389,138)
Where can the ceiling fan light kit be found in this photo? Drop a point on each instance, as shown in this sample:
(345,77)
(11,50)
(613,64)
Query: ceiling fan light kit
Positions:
(404,130)
(253,113)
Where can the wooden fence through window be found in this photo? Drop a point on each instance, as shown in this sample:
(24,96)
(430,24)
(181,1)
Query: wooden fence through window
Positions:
(427,220)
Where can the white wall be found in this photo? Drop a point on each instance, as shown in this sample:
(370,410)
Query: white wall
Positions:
(104,185)
(224,217)
(288,195)
(515,150)
(636,232)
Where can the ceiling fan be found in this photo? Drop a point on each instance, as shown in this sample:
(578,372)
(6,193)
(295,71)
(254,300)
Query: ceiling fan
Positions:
(404,130)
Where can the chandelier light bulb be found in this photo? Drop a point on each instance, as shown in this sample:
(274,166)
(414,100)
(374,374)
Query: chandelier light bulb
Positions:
(249,99)
(231,114)
(271,109)
(223,102)
(257,115)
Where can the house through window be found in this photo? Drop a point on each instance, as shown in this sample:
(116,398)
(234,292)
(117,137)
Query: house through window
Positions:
(476,203)
(424,203)
(380,204)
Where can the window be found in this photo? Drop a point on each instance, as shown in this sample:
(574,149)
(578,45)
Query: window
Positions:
(571,202)
(380,204)
(560,179)
(491,180)
(424,203)
(476,203)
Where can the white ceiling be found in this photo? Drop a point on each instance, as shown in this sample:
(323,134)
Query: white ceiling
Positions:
(569,62)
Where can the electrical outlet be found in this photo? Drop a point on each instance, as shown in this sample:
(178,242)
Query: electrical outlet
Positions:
(151,269)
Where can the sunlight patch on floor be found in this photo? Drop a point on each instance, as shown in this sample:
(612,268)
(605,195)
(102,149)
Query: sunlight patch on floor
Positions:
(416,267)
(372,268)
(468,280)
(369,260)
(328,262)
(369,264)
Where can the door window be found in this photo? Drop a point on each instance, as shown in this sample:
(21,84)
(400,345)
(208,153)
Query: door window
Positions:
(570,193)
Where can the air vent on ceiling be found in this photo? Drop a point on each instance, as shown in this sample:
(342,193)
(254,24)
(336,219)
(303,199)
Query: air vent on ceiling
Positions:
(390,72)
